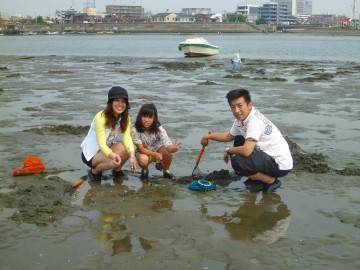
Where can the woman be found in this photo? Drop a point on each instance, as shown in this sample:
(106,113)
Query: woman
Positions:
(100,151)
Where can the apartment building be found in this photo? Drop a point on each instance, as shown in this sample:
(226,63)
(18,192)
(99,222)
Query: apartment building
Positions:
(276,13)
(249,11)
(291,5)
(303,7)
(131,12)
(297,7)
(196,11)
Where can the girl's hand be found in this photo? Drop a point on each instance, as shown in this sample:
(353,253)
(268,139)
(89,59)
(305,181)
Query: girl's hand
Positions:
(158,157)
(175,147)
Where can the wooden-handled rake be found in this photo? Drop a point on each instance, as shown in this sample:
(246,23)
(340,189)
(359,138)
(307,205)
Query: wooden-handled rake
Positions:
(196,173)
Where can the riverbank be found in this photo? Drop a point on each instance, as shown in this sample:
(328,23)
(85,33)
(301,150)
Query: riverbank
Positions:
(171,28)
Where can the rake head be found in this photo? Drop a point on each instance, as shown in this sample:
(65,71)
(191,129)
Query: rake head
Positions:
(197,173)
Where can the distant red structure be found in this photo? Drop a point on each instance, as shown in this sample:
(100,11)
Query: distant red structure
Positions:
(345,22)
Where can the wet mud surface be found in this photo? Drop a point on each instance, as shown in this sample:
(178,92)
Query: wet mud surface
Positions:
(47,107)
(38,200)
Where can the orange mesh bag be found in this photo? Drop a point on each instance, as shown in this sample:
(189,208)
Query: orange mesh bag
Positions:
(32,165)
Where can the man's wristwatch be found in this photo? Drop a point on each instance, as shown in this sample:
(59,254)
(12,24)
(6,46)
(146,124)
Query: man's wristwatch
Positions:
(227,151)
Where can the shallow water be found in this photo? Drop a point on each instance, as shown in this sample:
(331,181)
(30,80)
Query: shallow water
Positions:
(251,46)
(311,222)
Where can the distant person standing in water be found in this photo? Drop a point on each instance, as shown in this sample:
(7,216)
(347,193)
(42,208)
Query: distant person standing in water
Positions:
(100,150)
(260,152)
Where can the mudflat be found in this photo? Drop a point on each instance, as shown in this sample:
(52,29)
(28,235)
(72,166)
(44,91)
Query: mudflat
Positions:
(312,221)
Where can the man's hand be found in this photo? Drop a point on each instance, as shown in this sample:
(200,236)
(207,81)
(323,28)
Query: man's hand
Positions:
(205,140)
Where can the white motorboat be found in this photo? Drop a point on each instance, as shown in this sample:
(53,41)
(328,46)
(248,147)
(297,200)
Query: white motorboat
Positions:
(198,46)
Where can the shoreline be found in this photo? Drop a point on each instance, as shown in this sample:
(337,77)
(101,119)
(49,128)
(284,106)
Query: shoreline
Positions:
(170,28)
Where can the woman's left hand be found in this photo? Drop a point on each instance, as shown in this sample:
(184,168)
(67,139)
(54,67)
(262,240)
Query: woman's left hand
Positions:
(132,163)
(116,159)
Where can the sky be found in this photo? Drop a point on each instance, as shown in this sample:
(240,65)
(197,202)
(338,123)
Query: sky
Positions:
(48,7)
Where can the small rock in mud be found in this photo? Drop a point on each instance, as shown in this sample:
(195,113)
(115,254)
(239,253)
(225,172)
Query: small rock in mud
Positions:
(14,75)
(207,83)
(221,178)
(129,72)
(58,130)
(349,172)
(113,63)
(31,109)
(277,79)
(236,76)
(60,72)
(316,77)
(182,66)
(307,162)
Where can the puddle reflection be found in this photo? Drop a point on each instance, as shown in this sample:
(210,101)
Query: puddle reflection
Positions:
(263,221)
(152,197)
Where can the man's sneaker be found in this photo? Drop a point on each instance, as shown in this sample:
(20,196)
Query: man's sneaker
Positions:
(144,176)
(94,176)
(238,173)
(119,174)
(268,188)
(254,185)
(169,175)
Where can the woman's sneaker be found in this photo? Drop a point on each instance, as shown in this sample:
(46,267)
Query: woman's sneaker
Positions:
(268,188)
(94,176)
(169,175)
(119,174)
(144,176)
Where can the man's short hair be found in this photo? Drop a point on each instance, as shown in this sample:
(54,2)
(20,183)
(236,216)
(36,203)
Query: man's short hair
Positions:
(237,93)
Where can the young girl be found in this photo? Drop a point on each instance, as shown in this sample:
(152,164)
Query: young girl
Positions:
(100,151)
(152,142)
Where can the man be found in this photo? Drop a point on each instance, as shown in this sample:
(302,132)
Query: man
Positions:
(260,152)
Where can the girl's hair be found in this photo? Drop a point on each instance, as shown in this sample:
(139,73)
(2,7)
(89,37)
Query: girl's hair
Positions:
(110,120)
(147,110)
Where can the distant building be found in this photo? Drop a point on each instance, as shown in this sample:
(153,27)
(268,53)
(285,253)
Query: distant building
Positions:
(303,7)
(291,5)
(196,11)
(185,18)
(327,19)
(204,18)
(164,17)
(297,7)
(276,13)
(65,16)
(81,18)
(249,11)
(345,21)
(132,12)
(91,11)
(4,16)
